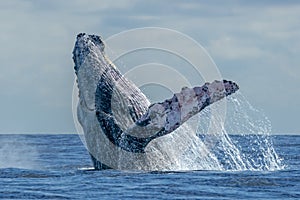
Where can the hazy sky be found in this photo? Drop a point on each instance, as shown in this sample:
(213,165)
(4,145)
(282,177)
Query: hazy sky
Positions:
(255,43)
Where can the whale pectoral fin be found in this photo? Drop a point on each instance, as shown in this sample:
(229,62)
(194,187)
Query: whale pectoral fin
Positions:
(165,117)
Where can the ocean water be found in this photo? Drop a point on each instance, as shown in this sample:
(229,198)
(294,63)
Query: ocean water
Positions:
(58,166)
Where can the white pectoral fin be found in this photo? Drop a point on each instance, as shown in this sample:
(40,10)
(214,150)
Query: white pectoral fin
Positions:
(165,117)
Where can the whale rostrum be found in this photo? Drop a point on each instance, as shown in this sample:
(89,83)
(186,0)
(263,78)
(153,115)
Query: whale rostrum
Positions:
(111,105)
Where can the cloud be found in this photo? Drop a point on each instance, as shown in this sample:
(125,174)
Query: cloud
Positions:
(234,49)
(246,39)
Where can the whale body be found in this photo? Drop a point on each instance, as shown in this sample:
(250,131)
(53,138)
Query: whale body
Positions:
(118,121)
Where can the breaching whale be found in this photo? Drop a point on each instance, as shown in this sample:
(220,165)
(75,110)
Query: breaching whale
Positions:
(117,118)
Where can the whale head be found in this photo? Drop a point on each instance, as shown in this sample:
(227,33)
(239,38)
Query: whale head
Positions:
(90,63)
(85,45)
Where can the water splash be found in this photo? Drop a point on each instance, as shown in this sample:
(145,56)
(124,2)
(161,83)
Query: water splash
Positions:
(241,142)
(244,141)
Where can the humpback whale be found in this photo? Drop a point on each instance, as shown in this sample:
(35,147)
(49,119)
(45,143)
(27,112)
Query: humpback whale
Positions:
(117,118)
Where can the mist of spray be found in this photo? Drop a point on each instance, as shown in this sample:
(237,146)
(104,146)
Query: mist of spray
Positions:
(16,152)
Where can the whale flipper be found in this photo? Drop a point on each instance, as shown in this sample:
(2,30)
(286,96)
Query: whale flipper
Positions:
(160,118)
(165,117)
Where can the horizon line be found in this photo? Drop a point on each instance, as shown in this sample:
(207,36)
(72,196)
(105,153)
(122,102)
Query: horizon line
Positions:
(75,133)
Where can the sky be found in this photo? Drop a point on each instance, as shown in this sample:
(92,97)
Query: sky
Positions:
(256,43)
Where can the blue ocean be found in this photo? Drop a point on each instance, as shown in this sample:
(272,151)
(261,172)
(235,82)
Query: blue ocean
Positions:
(57,166)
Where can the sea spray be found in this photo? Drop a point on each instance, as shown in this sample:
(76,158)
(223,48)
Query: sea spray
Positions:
(243,142)
(16,152)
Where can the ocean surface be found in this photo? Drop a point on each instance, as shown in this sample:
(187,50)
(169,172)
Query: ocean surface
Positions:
(58,167)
